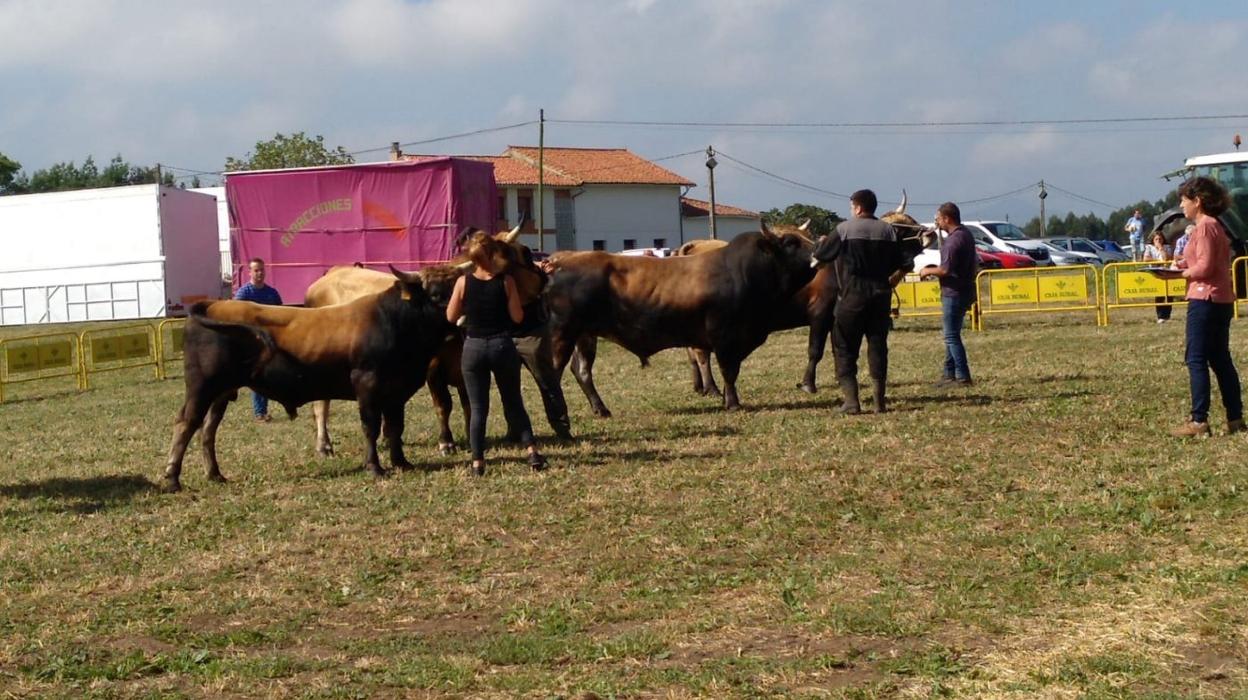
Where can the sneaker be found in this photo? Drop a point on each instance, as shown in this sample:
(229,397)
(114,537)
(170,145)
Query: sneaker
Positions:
(1162,320)
(1235,426)
(263,418)
(944,383)
(1193,429)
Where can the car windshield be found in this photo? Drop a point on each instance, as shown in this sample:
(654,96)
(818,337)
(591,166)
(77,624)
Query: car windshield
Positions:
(1093,243)
(1007,232)
(1083,246)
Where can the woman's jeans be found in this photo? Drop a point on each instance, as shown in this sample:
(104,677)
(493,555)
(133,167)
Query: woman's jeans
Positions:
(952,312)
(497,355)
(1209,347)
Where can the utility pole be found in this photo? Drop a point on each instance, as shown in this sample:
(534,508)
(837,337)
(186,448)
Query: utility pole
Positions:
(1043,195)
(541,179)
(710,168)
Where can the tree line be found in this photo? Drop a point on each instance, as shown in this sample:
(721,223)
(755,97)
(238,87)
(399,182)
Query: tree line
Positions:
(282,151)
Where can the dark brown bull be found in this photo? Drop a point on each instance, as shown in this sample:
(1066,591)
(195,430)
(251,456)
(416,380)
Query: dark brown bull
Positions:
(813,305)
(719,301)
(374,350)
(346,282)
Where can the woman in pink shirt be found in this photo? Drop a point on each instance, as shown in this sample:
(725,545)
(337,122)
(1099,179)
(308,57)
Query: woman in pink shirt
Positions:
(1206,266)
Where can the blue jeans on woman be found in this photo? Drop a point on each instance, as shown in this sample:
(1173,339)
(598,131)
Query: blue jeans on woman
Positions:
(482,357)
(1209,347)
(952,312)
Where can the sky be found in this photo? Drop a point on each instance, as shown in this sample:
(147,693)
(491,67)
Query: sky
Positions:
(189,84)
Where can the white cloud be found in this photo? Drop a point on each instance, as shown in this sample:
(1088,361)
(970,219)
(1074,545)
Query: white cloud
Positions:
(1006,149)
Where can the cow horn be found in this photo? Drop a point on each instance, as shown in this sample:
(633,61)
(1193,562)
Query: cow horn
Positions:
(510,236)
(803,226)
(901,208)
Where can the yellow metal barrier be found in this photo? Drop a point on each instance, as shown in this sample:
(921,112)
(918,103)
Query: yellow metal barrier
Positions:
(34,357)
(170,335)
(1038,289)
(1239,268)
(110,349)
(1124,285)
(920,297)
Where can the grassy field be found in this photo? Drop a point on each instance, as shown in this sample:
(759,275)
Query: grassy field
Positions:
(1037,535)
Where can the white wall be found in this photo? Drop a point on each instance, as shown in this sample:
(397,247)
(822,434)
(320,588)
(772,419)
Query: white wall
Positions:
(189,229)
(223,227)
(726,227)
(613,213)
(89,254)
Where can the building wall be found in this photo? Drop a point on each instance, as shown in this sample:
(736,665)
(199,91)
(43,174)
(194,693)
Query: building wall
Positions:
(726,227)
(615,214)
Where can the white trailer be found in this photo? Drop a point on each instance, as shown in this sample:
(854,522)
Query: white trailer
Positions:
(223,229)
(144,251)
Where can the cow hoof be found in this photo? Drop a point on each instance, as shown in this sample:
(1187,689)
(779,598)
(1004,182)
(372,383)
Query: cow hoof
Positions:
(170,485)
(603,412)
(808,388)
(404,466)
(216,476)
(327,451)
(379,474)
(446,449)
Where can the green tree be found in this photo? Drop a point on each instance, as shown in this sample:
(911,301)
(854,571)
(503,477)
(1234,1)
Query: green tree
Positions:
(294,151)
(8,171)
(822,221)
(69,176)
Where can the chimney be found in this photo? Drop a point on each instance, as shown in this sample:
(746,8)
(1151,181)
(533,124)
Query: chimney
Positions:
(396,153)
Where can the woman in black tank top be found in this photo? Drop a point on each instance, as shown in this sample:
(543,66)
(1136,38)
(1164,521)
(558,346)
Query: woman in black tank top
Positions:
(490,305)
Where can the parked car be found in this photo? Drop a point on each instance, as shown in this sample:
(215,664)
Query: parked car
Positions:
(648,252)
(989,259)
(1008,261)
(1083,245)
(1008,238)
(1061,256)
(1112,246)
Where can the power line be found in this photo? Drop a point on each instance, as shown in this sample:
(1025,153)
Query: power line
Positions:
(1089,200)
(839,195)
(844,125)
(465,134)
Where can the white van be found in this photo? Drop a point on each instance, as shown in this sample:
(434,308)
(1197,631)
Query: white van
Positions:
(1008,238)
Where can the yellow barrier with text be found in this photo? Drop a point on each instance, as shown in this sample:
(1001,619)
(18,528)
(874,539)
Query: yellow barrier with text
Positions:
(30,358)
(1038,289)
(110,349)
(171,334)
(920,297)
(1127,285)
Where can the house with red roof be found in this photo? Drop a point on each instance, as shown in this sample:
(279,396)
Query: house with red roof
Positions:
(599,199)
(729,221)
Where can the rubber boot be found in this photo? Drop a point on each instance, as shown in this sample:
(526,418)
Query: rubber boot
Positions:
(849,390)
(878,387)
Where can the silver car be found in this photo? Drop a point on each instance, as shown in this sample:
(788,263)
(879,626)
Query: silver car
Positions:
(1078,244)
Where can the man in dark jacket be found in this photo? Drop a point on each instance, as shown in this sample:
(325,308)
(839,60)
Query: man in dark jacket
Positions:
(869,261)
(959,265)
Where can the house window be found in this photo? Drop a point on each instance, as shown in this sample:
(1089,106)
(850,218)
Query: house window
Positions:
(630,243)
(660,243)
(524,208)
(502,207)
(600,245)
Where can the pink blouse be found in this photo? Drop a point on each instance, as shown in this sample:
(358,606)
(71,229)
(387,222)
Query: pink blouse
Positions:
(1207,259)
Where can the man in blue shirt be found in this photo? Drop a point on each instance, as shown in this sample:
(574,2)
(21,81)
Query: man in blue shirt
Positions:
(1135,228)
(260,293)
(959,264)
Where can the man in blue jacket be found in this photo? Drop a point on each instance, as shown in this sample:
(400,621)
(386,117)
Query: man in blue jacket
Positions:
(260,293)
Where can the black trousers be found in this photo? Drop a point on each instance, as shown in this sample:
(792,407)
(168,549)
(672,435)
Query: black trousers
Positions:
(483,357)
(535,353)
(859,315)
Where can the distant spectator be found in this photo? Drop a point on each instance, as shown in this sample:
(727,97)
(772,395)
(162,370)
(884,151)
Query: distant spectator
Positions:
(1181,244)
(259,292)
(1210,306)
(1158,251)
(958,267)
(1135,231)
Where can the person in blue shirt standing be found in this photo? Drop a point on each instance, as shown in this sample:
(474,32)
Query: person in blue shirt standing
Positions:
(260,293)
(958,267)
(1135,230)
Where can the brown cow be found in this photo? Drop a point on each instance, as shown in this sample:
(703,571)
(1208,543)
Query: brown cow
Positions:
(375,350)
(347,282)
